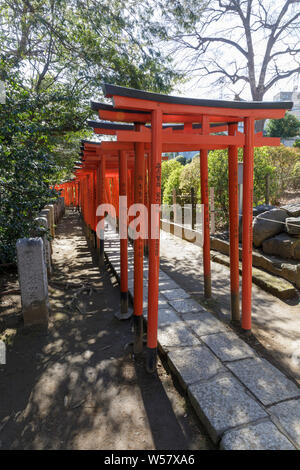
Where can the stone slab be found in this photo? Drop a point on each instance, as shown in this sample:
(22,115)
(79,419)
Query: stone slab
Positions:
(176,335)
(293,225)
(258,436)
(283,245)
(228,346)
(266,382)
(194,364)
(293,210)
(165,284)
(166,316)
(186,305)
(175,294)
(223,403)
(288,415)
(204,323)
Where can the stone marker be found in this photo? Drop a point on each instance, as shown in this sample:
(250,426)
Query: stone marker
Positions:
(43,222)
(222,403)
(33,281)
(51,208)
(268,224)
(257,436)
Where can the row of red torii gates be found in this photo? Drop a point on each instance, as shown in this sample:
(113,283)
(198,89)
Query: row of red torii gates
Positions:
(144,126)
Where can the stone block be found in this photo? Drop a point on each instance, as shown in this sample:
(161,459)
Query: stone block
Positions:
(166,316)
(52,223)
(268,224)
(176,335)
(257,436)
(288,415)
(194,364)
(175,294)
(33,281)
(266,382)
(204,323)
(186,305)
(293,225)
(293,210)
(282,245)
(43,223)
(228,346)
(262,208)
(223,403)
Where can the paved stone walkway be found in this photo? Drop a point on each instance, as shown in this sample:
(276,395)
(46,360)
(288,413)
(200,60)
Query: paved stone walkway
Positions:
(276,323)
(243,400)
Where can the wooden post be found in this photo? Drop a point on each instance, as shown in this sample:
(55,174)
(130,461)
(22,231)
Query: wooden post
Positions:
(123,192)
(193,205)
(247,223)
(212,211)
(267,196)
(174,201)
(139,179)
(155,197)
(233,226)
(205,202)
(102,201)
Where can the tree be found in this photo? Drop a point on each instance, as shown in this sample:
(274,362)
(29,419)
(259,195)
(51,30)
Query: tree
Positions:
(181,159)
(286,128)
(173,182)
(54,57)
(167,167)
(242,43)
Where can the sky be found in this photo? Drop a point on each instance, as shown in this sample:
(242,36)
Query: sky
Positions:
(232,30)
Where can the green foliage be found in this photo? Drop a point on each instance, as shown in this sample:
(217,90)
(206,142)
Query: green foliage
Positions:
(173,182)
(167,167)
(297,143)
(287,127)
(190,178)
(27,169)
(54,57)
(295,182)
(181,159)
(284,159)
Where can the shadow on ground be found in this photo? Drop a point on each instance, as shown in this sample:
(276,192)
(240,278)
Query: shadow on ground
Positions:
(75,387)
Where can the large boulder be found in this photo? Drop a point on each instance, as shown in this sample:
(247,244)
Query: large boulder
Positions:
(293,225)
(282,245)
(293,210)
(262,208)
(268,224)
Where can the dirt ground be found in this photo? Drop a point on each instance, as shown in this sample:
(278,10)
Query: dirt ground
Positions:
(77,386)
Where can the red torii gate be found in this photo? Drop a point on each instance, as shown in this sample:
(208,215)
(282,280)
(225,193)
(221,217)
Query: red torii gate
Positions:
(161,123)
